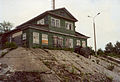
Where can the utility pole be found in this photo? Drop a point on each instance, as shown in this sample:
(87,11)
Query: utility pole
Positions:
(53,4)
(94,32)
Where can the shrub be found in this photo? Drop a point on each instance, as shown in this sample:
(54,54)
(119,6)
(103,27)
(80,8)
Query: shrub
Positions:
(11,45)
(86,52)
(100,52)
(110,67)
(97,61)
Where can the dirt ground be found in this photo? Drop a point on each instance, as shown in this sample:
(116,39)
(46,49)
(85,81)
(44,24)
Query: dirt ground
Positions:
(43,65)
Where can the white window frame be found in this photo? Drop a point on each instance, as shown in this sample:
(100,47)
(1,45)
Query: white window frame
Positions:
(44,37)
(42,21)
(78,43)
(36,37)
(69,43)
(55,22)
(69,25)
(24,36)
(83,43)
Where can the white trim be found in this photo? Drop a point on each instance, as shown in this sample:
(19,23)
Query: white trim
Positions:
(55,22)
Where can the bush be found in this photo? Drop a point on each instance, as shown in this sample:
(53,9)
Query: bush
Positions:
(100,52)
(86,52)
(97,61)
(11,45)
(110,67)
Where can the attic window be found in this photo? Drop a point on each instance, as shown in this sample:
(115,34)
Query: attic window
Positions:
(69,25)
(41,22)
(55,22)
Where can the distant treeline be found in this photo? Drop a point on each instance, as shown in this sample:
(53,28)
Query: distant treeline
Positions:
(111,50)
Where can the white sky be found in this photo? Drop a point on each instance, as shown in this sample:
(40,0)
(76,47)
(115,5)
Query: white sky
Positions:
(107,23)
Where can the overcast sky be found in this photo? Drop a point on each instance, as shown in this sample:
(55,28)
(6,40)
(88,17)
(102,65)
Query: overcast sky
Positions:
(107,23)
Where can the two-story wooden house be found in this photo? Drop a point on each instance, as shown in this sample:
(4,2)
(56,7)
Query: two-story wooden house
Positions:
(54,28)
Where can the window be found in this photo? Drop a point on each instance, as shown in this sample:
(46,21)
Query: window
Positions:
(24,36)
(55,22)
(58,41)
(78,43)
(83,44)
(55,40)
(35,37)
(44,39)
(41,22)
(69,43)
(69,25)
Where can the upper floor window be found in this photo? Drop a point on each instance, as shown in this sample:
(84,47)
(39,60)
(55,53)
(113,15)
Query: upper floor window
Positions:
(55,22)
(69,25)
(41,22)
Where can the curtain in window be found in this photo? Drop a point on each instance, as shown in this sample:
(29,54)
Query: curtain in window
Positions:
(35,37)
(44,39)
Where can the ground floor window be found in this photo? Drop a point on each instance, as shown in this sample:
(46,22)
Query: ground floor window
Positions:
(24,36)
(36,37)
(44,39)
(83,43)
(58,41)
(68,43)
(78,42)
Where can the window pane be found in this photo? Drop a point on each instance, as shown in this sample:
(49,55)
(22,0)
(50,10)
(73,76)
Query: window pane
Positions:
(71,43)
(36,37)
(40,21)
(83,44)
(52,22)
(24,36)
(44,39)
(57,23)
(78,43)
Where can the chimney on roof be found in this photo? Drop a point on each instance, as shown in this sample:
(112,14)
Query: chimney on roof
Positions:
(53,4)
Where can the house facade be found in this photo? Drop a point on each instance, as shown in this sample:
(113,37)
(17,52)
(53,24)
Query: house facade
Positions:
(54,28)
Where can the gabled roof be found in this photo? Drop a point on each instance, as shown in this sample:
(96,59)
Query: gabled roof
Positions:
(81,35)
(51,13)
(66,11)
